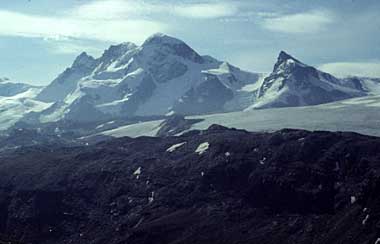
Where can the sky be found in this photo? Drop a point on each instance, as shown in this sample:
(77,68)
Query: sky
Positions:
(40,38)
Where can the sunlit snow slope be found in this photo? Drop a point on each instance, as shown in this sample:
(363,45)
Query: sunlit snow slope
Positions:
(359,115)
(16,100)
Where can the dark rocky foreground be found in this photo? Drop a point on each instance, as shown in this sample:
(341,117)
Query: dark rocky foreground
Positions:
(284,187)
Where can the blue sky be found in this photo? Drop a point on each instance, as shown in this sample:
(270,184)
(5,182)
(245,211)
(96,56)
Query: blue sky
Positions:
(40,38)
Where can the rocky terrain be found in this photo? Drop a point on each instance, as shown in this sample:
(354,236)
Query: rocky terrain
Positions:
(215,186)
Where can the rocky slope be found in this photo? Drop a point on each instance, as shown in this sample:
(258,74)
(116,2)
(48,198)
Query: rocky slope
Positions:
(214,186)
(293,83)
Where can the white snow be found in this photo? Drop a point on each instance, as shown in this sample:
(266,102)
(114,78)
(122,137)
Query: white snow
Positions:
(151,198)
(174,147)
(202,148)
(262,161)
(255,86)
(102,125)
(343,118)
(290,62)
(165,94)
(137,173)
(336,116)
(353,199)
(13,108)
(365,219)
(135,130)
(222,69)
(170,113)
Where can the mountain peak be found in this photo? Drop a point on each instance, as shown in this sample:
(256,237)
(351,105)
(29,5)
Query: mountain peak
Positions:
(172,45)
(83,60)
(118,50)
(160,38)
(293,83)
(284,56)
(284,60)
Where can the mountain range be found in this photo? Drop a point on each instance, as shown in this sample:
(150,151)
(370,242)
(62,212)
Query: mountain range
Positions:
(166,76)
(133,147)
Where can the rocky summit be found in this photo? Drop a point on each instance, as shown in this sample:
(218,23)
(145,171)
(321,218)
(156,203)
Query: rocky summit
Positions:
(214,186)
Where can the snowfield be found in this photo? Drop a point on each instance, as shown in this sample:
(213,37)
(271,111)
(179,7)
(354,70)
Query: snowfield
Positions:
(135,130)
(13,108)
(359,115)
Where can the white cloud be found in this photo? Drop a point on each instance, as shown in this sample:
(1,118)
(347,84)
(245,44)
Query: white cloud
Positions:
(344,69)
(114,9)
(117,30)
(300,23)
(107,20)
(71,47)
(206,10)
(111,9)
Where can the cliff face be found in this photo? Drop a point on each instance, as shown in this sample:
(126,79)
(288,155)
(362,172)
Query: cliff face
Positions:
(215,186)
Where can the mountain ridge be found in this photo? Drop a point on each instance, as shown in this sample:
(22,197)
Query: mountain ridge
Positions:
(166,76)
(163,75)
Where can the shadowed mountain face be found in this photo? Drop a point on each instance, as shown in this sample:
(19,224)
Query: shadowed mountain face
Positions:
(214,186)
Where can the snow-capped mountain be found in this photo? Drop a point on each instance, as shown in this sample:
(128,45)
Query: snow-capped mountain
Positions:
(17,100)
(293,83)
(163,75)
(10,88)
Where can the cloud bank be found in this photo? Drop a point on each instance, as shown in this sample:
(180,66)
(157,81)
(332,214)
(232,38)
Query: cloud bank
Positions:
(344,69)
(299,23)
(108,20)
(115,30)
